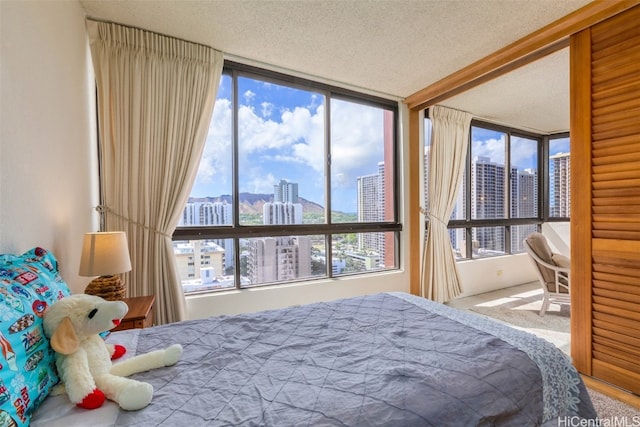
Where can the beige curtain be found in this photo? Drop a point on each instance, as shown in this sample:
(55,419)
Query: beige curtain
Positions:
(155,99)
(449,142)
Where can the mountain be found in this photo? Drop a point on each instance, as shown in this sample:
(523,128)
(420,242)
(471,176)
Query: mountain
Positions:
(251,203)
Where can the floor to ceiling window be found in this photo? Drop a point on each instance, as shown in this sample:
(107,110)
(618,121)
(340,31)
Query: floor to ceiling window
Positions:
(513,181)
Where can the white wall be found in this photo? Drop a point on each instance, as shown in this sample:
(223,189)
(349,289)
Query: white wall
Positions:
(272,297)
(559,236)
(489,274)
(47,136)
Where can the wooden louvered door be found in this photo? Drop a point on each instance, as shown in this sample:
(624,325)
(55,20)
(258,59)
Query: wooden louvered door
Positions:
(605,129)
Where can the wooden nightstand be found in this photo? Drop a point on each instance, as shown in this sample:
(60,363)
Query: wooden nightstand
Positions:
(140,314)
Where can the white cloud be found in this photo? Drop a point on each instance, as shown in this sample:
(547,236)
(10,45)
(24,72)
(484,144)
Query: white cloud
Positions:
(295,138)
(357,143)
(267,109)
(216,163)
(249,95)
(257,133)
(259,184)
(560,145)
(524,153)
(492,148)
(307,131)
(299,135)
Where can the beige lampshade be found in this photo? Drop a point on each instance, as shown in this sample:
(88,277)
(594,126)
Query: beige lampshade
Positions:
(104,253)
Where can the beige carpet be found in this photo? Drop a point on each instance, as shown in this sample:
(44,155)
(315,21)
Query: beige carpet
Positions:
(523,313)
(520,309)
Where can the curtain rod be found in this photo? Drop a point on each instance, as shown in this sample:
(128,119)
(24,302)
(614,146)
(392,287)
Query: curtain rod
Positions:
(272,67)
(89,18)
(249,61)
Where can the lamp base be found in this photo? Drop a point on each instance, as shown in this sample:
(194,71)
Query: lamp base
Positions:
(110,288)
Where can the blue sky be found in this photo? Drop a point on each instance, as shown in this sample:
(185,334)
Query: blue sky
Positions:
(282,136)
(490,143)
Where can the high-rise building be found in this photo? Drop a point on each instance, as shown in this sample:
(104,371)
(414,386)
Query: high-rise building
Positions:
(276,259)
(524,193)
(198,258)
(285,191)
(373,204)
(371,208)
(487,188)
(282,213)
(210,213)
(215,213)
(368,207)
(488,201)
(560,185)
(206,213)
(524,204)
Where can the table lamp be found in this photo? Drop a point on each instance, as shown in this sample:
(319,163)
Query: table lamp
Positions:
(105,254)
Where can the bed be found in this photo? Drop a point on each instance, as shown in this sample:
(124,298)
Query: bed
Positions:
(387,359)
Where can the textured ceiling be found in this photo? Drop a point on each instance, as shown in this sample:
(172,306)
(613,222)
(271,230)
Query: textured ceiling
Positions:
(389,47)
(535,97)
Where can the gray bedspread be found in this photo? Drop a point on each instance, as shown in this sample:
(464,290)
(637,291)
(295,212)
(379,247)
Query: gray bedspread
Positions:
(386,359)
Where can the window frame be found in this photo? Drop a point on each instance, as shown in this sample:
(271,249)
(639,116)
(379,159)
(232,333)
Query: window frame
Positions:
(236,231)
(468,224)
(544,182)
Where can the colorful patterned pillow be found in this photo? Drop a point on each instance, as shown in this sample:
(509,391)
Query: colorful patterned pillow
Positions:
(29,283)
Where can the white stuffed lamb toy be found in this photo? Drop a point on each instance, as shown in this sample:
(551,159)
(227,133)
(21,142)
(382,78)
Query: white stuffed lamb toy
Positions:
(83,359)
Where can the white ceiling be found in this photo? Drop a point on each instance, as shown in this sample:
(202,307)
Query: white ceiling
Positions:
(391,48)
(534,98)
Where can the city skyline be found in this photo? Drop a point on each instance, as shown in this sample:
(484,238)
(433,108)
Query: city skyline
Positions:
(203,265)
(488,198)
(491,143)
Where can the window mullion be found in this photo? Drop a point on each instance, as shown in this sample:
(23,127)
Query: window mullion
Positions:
(327,211)
(235,199)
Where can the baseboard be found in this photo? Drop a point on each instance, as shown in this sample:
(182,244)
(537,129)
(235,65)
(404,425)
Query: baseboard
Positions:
(612,391)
